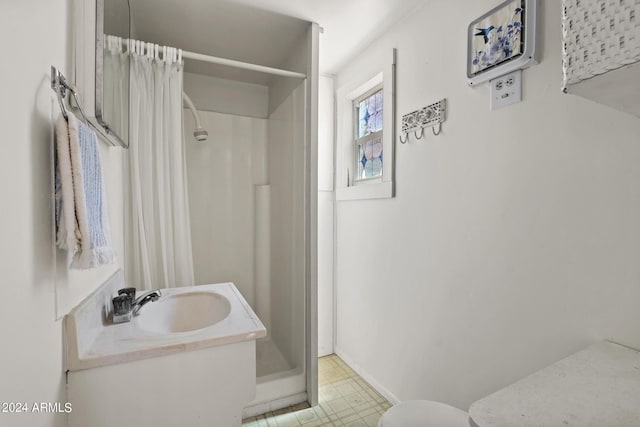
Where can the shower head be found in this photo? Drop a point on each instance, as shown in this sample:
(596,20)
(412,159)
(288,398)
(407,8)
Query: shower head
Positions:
(200,133)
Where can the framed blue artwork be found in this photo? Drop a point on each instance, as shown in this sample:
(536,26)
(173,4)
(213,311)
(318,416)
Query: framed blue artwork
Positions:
(501,41)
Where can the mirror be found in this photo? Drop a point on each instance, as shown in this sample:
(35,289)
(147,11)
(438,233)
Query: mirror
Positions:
(113,29)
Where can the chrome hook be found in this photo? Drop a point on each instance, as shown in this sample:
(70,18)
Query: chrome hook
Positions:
(60,84)
(405,140)
(421,133)
(439,129)
(75,96)
(61,91)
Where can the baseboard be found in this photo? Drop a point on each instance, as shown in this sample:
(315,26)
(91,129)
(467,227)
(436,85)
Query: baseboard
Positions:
(367,377)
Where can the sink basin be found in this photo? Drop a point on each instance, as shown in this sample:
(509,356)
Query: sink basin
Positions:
(184,312)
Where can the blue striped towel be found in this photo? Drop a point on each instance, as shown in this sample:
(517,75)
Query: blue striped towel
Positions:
(81,208)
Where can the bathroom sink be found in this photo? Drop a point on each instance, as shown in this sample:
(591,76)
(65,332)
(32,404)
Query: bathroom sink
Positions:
(184,312)
(184,318)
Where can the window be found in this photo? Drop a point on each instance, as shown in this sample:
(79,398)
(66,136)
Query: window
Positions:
(368,148)
(365,129)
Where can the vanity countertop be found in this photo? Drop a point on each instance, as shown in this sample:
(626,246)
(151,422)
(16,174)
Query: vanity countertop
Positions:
(93,341)
(598,386)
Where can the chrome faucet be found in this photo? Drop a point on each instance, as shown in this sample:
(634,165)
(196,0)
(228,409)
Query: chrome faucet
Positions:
(145,298)
(125,306)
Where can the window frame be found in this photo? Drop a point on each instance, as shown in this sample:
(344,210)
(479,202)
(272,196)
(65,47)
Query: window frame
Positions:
(370,74)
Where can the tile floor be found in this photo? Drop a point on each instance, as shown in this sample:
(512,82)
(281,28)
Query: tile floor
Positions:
(345,399)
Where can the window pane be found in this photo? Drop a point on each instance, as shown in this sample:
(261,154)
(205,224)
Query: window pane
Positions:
(376,122)
(362,119)
(371,105)
(360,160)
(379,101)
(370,159)
(370,114)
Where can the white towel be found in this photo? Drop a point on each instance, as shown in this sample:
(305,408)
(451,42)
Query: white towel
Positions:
(68,235)
(81,209)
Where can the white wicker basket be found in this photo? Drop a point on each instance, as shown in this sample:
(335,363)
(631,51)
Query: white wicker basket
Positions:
(599,36)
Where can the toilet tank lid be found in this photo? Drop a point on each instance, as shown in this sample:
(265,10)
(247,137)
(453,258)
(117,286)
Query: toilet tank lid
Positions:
(424,413)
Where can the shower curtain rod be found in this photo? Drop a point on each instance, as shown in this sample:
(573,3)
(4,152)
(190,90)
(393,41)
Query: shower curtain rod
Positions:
(212,59)
(239,64)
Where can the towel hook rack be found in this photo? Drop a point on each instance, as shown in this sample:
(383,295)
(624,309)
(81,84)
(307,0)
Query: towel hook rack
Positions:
(430,116)
(60,85)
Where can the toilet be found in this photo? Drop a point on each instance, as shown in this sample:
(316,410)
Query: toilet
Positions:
(424,413)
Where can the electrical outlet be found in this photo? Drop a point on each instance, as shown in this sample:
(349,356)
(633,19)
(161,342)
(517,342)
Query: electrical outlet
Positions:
(506,90)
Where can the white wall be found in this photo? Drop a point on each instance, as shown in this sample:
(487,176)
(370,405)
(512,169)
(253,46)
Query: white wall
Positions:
(222,172)
(31,361)
(514,237)
(326,200)
(227,96)
(286,177)
(281,87)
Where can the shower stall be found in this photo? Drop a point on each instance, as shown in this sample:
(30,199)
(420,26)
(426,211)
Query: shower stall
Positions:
(250,160)
(249,204)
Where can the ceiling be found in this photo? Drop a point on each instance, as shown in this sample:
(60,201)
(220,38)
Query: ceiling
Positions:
(264,31)
(349,25)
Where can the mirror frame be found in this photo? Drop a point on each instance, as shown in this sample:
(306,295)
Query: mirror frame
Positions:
(99,81)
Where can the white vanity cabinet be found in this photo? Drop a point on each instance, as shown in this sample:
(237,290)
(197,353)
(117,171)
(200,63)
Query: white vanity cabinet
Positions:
(601,52)
(188,359)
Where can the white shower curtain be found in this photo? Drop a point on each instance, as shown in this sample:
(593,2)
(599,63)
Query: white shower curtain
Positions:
(157,220)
